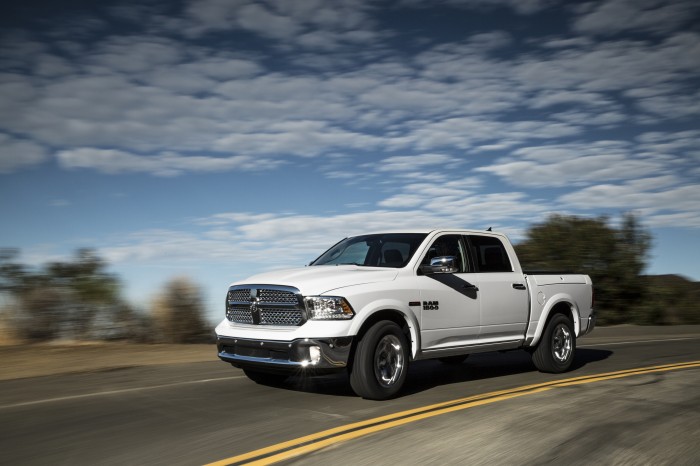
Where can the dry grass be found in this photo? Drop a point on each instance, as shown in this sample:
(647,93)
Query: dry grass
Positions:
(37,359)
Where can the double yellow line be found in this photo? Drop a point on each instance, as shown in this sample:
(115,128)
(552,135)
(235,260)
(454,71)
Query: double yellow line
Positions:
(309,443)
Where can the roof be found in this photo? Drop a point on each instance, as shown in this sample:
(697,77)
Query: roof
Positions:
(431,230)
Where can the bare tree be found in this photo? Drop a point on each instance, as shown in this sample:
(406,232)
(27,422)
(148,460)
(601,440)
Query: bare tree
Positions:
(178,313)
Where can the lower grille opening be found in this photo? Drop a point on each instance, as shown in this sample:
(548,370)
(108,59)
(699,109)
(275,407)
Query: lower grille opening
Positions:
(254,352)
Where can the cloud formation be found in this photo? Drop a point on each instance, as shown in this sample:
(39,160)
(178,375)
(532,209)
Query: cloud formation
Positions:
(446,122)
(19,153)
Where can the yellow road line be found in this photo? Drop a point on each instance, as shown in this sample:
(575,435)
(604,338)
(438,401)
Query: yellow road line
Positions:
(319,440)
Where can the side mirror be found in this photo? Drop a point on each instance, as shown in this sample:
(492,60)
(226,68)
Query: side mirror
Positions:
(442,264)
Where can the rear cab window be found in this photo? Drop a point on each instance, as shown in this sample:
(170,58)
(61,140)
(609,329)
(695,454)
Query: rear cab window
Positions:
(489,254)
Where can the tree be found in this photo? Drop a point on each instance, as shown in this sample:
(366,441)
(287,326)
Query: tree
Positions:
(60,299)
(178,313)
(614,258)
(669,300)
(87,288)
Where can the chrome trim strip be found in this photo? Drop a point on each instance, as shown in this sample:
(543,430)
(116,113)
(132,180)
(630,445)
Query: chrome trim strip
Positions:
(469,349)
(277,362)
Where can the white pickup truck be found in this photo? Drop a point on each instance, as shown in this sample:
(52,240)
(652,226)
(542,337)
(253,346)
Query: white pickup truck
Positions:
(373,303)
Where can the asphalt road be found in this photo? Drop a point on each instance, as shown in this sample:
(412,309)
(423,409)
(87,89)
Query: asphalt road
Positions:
(196,413)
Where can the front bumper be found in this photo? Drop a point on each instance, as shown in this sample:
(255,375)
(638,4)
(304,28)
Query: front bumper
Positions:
(300,355)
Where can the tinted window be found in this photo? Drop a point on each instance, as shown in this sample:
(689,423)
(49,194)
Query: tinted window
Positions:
(489,254)
(448,245)
(383,250)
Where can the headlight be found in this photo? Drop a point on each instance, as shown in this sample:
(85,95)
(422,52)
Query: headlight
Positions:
(328,308)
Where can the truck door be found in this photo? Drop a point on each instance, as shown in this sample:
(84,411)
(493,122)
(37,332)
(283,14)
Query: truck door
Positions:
(450,313)
(503,292)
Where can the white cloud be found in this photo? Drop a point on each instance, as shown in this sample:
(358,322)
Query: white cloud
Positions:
(163,164)
(575,164)
(397,121)
(614,65)
(550,98)
(134,54)
(471,132)
(656,16)
(600,119)
(672,106)
(524,7)
(260,19)
(409,163)
(675,220)
(666,203)
(403,201)
(19,50)
(155,93)
(678,144)
(52,66)
(306,23)
(18,153)
(246,238)
(225,68)
(303,138)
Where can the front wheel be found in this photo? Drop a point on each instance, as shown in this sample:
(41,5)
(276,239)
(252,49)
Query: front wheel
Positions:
(556,349)
(381,362)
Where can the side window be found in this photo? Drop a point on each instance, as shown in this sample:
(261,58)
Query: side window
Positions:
(489,254)
(448,245)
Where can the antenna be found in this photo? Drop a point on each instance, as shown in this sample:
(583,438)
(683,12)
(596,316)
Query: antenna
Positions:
(489,229)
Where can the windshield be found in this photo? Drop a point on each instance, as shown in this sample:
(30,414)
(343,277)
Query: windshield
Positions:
(381,250)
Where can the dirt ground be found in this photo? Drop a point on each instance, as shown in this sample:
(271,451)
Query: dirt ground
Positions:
(37,359)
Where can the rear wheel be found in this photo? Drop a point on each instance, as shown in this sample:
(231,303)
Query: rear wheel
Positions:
(557,347)
(381,361)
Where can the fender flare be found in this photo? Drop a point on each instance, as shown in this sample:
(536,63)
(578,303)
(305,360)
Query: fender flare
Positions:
(556,301)
(395,307)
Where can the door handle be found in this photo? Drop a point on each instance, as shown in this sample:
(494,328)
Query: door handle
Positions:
(519,286)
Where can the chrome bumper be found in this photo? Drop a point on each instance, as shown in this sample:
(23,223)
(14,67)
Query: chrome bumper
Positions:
(286,356)
(587,325)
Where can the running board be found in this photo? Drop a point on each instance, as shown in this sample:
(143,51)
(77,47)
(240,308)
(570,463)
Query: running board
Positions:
(469,349)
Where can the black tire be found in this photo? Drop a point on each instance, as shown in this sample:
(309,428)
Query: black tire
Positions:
(557,347)
(265,378)
(380,364)
(453,360)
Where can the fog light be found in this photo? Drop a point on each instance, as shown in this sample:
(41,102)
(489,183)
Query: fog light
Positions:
(314,354)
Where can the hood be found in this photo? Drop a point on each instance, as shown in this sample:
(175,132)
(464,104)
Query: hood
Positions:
(318,279)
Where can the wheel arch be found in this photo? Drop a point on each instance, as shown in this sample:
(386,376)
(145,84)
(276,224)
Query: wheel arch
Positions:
(406,322)
(558,304)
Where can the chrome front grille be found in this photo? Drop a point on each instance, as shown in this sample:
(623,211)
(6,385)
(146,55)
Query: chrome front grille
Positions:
(277,296)
(265,305)
(240,295)
(280,317)
(242,316)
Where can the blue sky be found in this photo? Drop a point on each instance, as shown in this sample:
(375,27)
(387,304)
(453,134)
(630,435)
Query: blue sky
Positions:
(217,139)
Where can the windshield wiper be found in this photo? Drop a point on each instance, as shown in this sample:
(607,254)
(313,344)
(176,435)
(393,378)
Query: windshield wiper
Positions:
(350,263)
